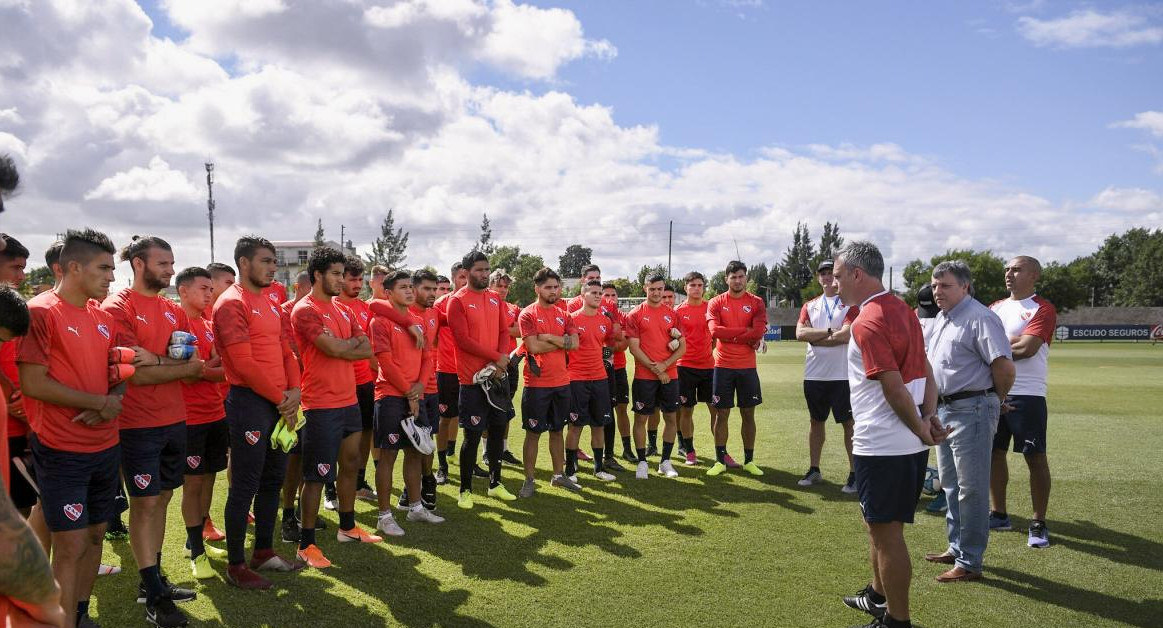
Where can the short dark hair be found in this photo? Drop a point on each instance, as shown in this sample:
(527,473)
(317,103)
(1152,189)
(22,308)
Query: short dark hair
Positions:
(593,283)
(13,249)
(186,275)
(459,266)
(9,176)
(353,266)
(249,245)
(321,259)
(423,275)
(610,285)
(735,266)
(13,311)
(217,268)
(544,275)
(52,255)
(655,277)
(396,277)
(442,279)
(470,260)
(139,247)
(589,268)
(666,287)
(693,275)
(82,245)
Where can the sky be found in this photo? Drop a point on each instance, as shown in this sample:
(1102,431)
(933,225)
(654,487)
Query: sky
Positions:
(1023,127)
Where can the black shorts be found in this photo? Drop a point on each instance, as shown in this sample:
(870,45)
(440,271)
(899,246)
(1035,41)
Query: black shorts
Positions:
(430,406)
(651,393)
(321,436)
(477,414)
(390,414)
(448,387)
(365,396)
(736,387)
(78,489)
(890,486)
(153,459)
(544,409)
(22,493)
(1026,424)
(254,466)
(694,386)
(619,388)
(590,403)
(828,396)
(206,446)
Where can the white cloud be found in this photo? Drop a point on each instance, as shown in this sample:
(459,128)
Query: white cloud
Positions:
(1130,200)
(533,42)
(1091,29)
(157,183)
(1151,121)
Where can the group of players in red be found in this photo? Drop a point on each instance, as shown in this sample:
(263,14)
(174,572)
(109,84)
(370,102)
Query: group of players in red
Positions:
(131,392)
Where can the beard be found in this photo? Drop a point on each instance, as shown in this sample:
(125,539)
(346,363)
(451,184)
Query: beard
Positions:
(153,282)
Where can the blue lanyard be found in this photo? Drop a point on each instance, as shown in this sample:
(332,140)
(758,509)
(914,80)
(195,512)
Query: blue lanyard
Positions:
(828,308)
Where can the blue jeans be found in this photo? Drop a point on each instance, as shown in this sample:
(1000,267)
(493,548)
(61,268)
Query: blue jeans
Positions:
(963,462)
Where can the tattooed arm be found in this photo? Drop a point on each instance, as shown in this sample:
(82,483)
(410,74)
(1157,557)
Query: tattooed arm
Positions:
(25,575)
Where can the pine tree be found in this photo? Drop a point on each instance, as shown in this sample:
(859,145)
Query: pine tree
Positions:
(390,248)
(319,234)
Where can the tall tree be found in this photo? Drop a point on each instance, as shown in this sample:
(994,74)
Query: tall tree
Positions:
(575,257)
(485,241)
(521,267)
(987,269)
(1142,284)
(830,242)
(646,271)
(795,272)
(319,234)
(390,248)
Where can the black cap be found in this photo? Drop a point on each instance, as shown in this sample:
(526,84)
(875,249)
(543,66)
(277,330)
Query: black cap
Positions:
(824,265)
(926,306)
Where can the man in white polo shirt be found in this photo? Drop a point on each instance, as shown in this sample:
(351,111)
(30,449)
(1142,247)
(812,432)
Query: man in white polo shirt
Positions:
(894,405)
(824,325)
(1029,322)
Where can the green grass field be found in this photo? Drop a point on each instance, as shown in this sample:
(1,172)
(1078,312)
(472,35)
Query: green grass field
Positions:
(737,550)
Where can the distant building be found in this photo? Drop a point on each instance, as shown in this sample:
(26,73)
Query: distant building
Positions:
(292,257)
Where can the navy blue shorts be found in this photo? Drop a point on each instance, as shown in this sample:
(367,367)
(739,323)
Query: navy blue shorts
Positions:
(365,396)
(1025,424)
(390,413)
(736,387)
(590,403)
(22,493)
(619,388)
(448,387)
(828,396)
(890,486)
(694,386)
(321,436)
(206,447)
(651,393)
(77,489)
(544,409)
(153,459)
(477,414)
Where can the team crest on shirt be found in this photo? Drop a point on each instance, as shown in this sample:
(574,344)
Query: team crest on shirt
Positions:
(363,315)
(73,511)
(193,461)
(682,398)
(492,301)
(252,436)
(747,309)
(560,320)
(210,337)
(273,297)
(393,438)
(323,469)
(142,480)
(344,315)
(274,310)
(171,318)
(102,329)
(666,317)
(1027,315)
(603,328)
(475,420)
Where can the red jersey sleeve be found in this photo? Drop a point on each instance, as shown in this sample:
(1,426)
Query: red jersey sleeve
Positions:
(875,349)
(804,318)
(230,326)
(527,322)
(1043,323)
(850,317)
(458,324)
(630,325)
(383,307)
(307,325)
(34,348)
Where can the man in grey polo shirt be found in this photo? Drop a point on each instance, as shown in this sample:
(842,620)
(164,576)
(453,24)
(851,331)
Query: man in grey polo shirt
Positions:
(972,364)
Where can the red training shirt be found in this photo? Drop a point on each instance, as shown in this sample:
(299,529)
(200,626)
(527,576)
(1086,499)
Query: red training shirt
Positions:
(552,320)
(693,319)
(402,365)
(148,322)
(362,315)
(430,319)
(477,322)
(327,382)
(594,333)
(651,326)
(255,349)
(738,324)
(204,398)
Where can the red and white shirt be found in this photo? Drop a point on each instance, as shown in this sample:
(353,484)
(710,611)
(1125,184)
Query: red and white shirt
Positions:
(827,364)
(885,337)
(1032,316)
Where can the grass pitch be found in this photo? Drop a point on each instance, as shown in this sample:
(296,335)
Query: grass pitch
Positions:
(737,550)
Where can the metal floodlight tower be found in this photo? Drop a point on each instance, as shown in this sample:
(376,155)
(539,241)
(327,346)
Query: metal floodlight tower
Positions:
(210,203)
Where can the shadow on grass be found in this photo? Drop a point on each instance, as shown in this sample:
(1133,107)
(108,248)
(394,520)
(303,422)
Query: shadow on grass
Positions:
(1086,536)
(1144,614)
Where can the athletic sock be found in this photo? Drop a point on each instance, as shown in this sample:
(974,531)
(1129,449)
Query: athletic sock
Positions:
(609,438)
(810,469)
(652,438)
(468,456)
(626,443)
(876,597)
(152,578)
(360,480)
(288,514)
(346,520)
(494,447)
(667,447)
(748,455)
(720,453)
(82,610)
(443,454)
(306,538)
(452,446)
(599,459)
(680,440)
(889,620)
(689,445)
(641,454)
(570,461)
(194,540)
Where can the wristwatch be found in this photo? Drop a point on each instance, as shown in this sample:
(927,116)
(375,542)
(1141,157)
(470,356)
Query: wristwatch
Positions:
(829,333)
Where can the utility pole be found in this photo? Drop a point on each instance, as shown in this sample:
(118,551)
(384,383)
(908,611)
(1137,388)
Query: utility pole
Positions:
(210,203)
(669,246)
(342,240)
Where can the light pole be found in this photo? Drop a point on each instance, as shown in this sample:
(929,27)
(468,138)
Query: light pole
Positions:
(210,203)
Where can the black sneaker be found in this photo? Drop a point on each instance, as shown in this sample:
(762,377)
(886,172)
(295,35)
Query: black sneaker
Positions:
(478,472)
(117,531)
(403,503)
(176,593)
(163,613)
(862,601)
(428,492)
(510,458)
(629,456)
(611,464)
(651,451)
(442,476)
(291,530)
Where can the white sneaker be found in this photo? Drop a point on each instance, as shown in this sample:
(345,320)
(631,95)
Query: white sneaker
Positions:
(387,524)
(330,504)
(643,471)
(810,478)
(605,476)
(420,513)
(573,478)
(667,469)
